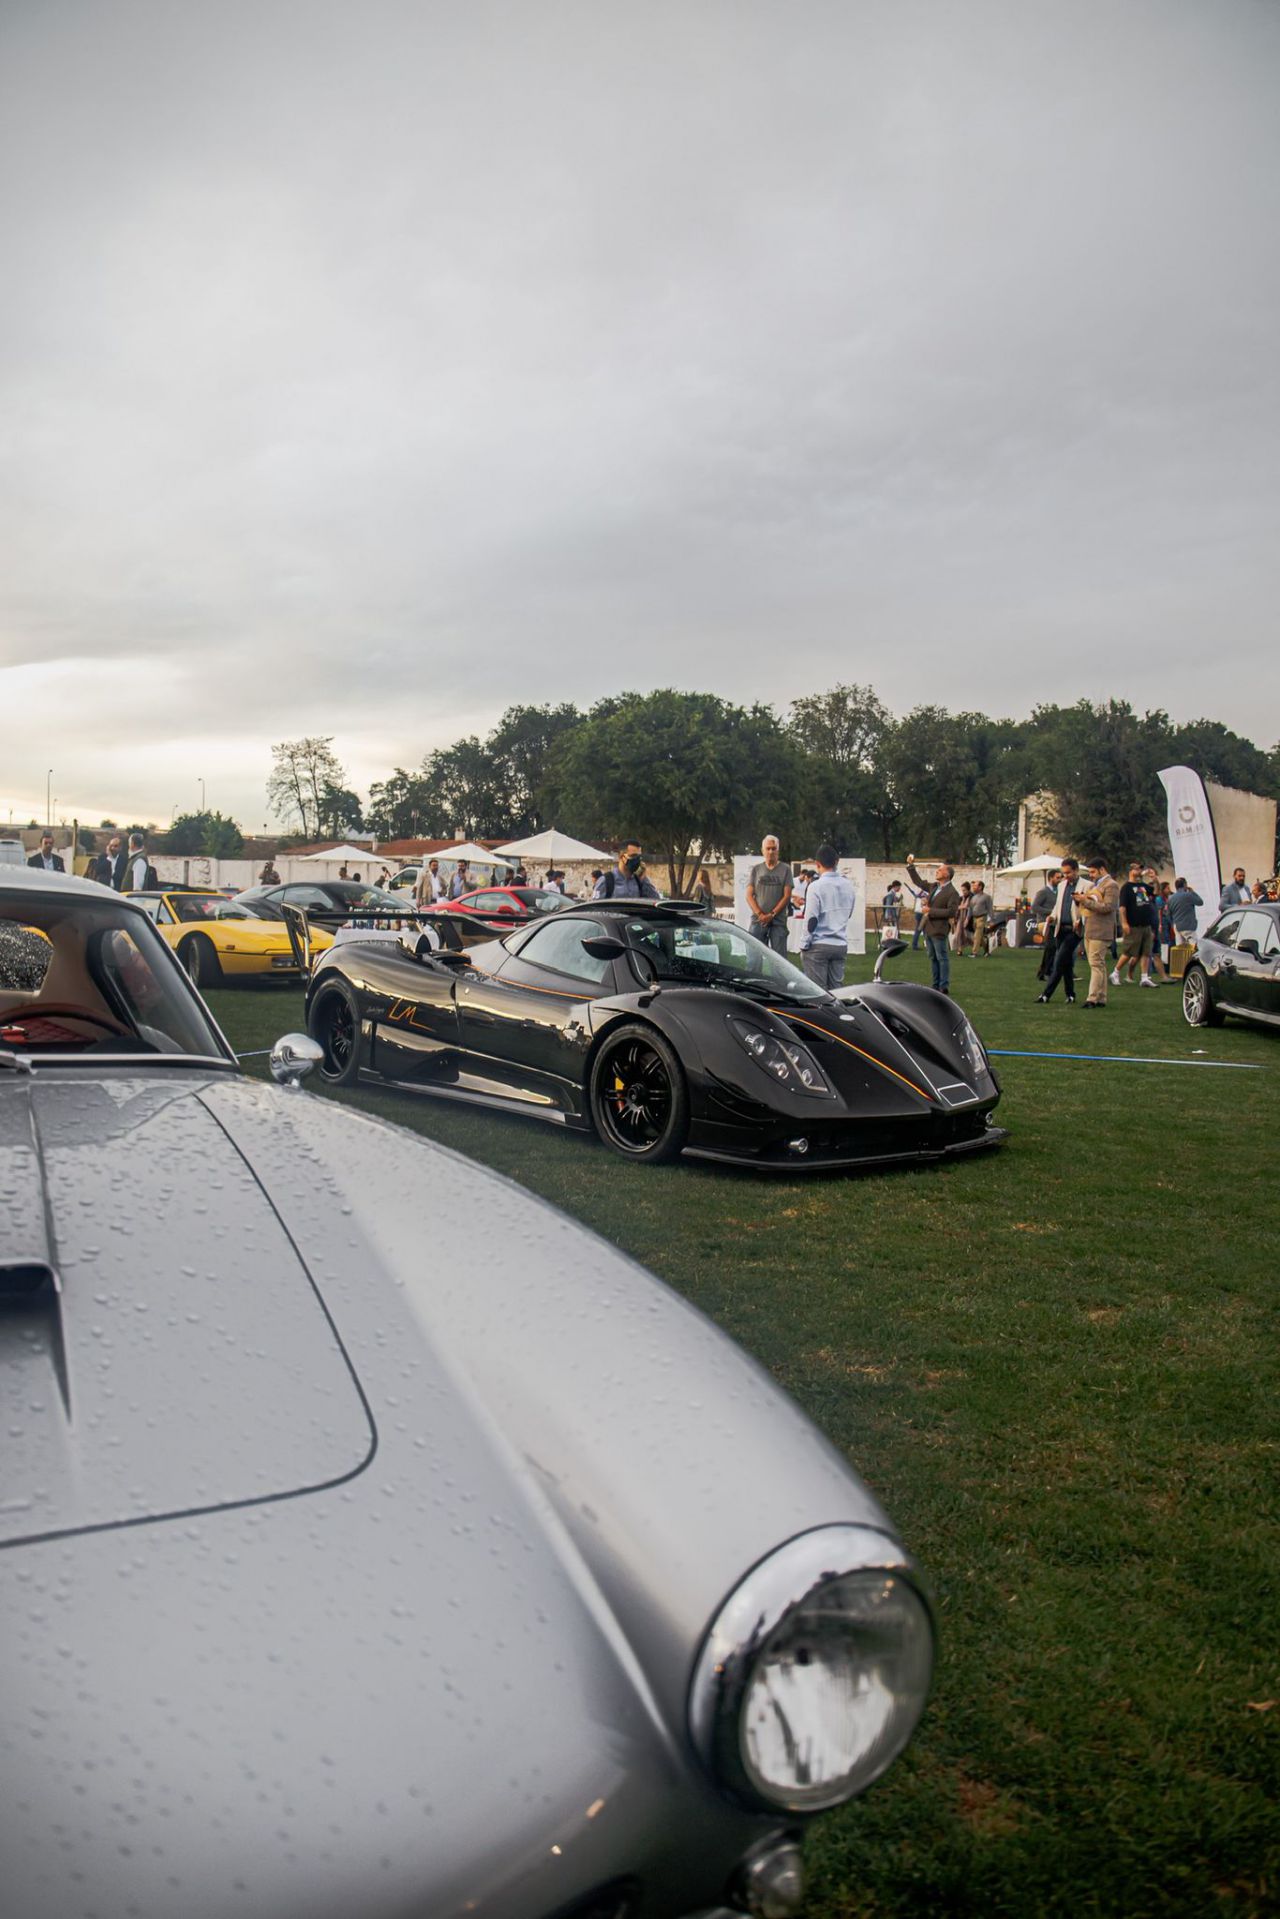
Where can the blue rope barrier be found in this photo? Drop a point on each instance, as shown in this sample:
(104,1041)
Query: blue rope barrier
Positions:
(1128,1059)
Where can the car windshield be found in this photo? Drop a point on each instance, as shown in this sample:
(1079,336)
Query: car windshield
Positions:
(717,954)
(205,906)
(93,976)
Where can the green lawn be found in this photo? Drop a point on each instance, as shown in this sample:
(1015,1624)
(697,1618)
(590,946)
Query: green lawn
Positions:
(1057,1365)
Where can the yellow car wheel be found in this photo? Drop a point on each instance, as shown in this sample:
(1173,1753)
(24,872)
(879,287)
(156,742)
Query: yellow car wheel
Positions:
(199,960)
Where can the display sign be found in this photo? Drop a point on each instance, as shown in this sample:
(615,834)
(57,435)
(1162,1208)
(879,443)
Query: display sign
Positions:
(1193,839)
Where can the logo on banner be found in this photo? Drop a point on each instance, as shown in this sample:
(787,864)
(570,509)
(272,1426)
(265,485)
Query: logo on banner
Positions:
(1186,813)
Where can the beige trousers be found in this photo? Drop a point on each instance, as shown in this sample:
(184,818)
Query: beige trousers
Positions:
(1099,955)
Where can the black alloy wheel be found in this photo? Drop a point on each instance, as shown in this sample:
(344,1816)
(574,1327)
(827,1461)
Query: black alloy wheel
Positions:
(639,1101)
(1198,1008)
(199,960)
(334,1022)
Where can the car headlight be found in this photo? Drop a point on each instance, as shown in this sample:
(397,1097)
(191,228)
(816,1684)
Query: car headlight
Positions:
(814,1672)
(785,1060)
(972,1051)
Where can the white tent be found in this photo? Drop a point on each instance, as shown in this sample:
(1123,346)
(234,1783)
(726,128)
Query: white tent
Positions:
(1042,863)
(344,855)
(551,847)
(474,855)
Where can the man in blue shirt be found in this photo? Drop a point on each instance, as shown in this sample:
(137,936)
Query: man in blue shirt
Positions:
(1183,902)
(626,881)
(828,908)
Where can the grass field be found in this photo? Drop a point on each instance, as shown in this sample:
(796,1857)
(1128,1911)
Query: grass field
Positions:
(1057,1365)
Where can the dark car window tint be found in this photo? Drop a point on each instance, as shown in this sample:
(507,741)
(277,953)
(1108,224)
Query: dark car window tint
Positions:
(1226,929)
(559,946)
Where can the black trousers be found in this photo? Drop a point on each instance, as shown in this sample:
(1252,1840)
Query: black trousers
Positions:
(1046,954)
(1064,964)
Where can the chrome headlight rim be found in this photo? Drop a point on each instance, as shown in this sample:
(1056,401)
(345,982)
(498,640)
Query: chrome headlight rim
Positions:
(746,1623)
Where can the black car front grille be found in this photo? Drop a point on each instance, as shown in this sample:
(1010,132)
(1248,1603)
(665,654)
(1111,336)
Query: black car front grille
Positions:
(854,1139)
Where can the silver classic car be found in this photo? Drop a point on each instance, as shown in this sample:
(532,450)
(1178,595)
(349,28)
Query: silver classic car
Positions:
(347,1573)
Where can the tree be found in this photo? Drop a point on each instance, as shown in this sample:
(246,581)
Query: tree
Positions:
(689,775)
(340,810)
(1097,769)
(523,751)
(400,808)
(462,790)
(844,734)
(300,771)
(207,833)
(1216,753)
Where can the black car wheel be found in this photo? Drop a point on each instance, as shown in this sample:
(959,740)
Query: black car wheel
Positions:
(199,960)
(639,1100)
(1198,1008)
(334,1022)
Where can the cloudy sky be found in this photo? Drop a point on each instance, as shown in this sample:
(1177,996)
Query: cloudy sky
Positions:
(365,368)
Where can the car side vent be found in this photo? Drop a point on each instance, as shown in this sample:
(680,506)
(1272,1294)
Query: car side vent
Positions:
(620,1899)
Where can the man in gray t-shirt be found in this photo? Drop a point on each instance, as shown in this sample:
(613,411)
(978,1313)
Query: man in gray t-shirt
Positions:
(769,896)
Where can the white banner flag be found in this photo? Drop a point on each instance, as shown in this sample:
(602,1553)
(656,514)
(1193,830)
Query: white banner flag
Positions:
(1193,839)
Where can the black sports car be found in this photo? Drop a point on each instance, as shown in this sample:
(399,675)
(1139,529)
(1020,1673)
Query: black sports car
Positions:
(1236,969)
(663,1031)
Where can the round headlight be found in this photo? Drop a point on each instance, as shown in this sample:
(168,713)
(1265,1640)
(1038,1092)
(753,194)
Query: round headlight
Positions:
(815,1671)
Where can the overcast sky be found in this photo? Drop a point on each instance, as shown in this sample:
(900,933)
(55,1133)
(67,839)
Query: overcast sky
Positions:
(366,368)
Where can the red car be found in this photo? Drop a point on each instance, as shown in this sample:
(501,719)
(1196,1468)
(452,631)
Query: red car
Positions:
(516,902)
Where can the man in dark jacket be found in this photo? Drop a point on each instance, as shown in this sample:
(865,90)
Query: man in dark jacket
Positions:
(46,857)
(941,905)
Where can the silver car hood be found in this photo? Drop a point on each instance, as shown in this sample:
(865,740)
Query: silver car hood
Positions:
(384,1511)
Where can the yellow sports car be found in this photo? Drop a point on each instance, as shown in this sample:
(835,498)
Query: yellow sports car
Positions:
(216,938)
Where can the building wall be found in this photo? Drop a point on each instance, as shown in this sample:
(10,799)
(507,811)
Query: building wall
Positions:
(1245,824)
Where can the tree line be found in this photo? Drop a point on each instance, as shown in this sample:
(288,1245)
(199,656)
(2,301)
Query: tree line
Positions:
(697,777)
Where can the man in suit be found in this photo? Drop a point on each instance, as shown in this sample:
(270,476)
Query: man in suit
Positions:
(941,904)
(1062,937)
(1098,904)
(46,857)
(109,866)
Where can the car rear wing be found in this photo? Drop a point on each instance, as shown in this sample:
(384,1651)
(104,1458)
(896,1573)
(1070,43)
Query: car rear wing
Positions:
(447,927)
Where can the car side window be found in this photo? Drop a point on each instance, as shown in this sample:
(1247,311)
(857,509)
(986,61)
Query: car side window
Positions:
(166,915)
(558,945)
(1270,946)
(1255,926)
(308,896)
(153,908)
(1226,929)
(490,903)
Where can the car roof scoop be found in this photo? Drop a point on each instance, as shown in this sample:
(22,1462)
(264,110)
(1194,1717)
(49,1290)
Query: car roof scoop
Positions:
(31,1332)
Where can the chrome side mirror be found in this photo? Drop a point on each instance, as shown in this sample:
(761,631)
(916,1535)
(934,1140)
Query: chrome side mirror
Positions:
(292,1058)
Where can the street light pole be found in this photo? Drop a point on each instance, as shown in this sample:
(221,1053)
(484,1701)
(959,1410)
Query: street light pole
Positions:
(202,796)
(48,802)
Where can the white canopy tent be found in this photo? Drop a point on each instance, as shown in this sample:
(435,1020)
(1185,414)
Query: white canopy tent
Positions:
(344,855)
(474,855)
(1042,863)
(551,847)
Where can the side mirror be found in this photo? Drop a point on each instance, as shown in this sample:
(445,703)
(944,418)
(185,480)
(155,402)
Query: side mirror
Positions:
(1249,946)
(293,1057)
(602,947)
(889,950)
